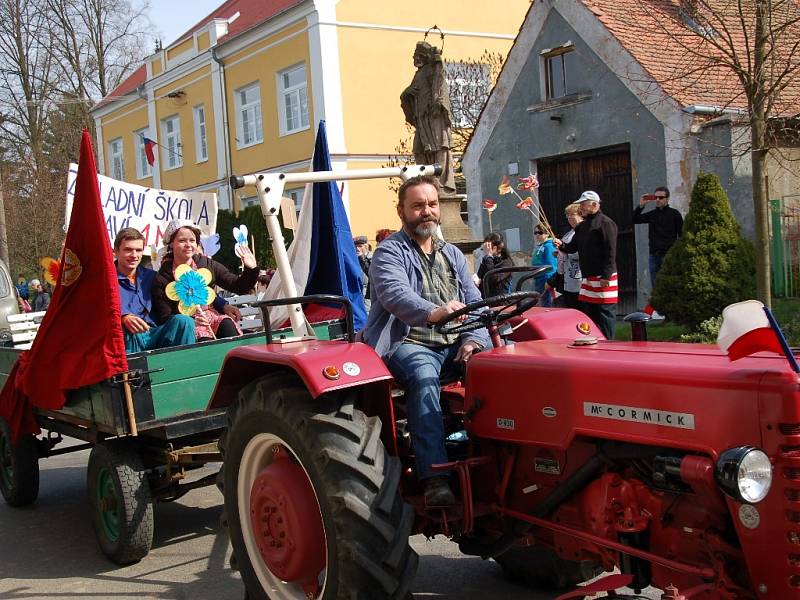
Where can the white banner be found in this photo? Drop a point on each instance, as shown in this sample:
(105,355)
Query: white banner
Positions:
(148,210)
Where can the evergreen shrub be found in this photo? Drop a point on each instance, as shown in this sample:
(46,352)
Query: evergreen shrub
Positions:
(711,265)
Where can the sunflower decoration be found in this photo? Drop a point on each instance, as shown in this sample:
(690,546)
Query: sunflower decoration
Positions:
(190,289)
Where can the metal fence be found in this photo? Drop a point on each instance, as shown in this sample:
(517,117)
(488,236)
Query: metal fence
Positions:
(785,246)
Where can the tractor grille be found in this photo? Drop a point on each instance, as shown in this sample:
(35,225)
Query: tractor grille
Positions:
(787,471)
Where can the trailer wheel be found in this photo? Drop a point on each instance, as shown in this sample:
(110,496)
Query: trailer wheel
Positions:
(541,568)
(19,467)
(121,503)
(311,497)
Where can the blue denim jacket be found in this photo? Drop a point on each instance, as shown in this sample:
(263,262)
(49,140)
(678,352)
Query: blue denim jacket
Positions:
(395,277)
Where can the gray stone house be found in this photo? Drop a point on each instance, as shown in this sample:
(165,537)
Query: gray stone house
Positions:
(591,97)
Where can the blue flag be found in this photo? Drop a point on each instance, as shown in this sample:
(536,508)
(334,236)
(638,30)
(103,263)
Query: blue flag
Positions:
(333,264)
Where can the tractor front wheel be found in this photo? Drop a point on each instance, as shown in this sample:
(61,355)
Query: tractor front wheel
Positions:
(121,502)
(19,467)
(312,498)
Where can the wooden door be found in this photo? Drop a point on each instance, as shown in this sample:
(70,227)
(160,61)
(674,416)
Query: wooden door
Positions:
(607,171)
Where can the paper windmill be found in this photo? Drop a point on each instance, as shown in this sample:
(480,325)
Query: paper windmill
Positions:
(528,183)
(190,289)
(525,204)
(505,186)
(240,237)
(210,244)
(489,204)
(52,269)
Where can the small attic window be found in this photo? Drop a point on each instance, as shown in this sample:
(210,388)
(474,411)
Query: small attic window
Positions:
(559,72)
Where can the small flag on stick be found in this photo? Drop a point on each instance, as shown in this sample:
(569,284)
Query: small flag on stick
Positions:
(149,152)
(749,327)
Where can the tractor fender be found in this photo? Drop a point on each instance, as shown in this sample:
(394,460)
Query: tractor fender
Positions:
(553,323)
(323,366)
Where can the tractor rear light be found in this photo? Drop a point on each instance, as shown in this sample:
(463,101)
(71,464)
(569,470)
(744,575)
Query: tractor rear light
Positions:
(584,328)
(331,372)
(744,474)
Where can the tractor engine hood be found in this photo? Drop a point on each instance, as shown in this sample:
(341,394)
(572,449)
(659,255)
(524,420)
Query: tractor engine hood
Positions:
(687,396)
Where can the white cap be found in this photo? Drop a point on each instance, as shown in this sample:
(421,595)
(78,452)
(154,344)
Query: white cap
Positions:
(35,282)
(587,196)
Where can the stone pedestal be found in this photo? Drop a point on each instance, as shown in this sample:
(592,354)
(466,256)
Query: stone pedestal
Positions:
(454,229)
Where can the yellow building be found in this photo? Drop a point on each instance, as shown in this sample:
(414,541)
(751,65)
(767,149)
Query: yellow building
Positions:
(243,90)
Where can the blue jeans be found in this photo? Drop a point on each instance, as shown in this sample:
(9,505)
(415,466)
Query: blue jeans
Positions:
(418,368)
(545,299)
(655,266)
(177,331)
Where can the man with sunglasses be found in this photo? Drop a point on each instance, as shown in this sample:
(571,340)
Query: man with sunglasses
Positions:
(665,225)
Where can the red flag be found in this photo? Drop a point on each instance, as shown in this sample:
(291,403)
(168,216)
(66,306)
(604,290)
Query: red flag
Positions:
(80,339)
(149,152)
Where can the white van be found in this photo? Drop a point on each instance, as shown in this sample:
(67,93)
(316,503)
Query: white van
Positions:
(8,303)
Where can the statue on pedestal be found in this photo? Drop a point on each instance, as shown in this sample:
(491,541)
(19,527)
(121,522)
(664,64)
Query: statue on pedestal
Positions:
(426,105)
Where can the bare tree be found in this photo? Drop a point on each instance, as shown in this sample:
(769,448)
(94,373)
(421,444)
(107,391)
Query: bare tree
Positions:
(26,77)
(57,57)
(471,82)
(746,53)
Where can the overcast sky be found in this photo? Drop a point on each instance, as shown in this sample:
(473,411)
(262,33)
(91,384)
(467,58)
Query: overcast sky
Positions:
(174,17)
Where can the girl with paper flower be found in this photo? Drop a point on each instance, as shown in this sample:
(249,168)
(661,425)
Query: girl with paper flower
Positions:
(186,278)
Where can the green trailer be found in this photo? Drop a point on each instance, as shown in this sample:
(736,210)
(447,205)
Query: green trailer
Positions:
(142,451)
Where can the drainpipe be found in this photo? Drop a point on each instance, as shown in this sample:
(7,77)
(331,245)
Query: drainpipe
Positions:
(706,109)
(225,132)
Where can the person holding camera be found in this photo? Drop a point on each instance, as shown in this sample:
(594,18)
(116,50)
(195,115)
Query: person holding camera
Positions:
(665,225)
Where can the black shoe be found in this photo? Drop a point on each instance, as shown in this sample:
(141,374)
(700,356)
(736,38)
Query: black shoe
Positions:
(438,493)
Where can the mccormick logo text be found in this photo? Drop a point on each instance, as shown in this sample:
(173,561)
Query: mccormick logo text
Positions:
(639,415)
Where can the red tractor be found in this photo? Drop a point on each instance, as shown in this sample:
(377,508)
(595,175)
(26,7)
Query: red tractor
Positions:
(569,458)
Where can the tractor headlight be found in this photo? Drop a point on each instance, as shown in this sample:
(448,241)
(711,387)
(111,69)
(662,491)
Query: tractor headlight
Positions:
(745,474)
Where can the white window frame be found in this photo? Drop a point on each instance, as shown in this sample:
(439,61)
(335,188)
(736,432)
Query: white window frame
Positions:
(250,112)
(296,195)
(143,168)
(116,161)
(298,91)
(200,133)
(171,146)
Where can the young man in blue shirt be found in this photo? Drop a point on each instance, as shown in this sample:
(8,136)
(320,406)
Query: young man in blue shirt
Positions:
(141,332)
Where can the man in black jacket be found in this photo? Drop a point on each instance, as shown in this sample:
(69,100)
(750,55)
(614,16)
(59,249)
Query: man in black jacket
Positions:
(664,223)
(595,241)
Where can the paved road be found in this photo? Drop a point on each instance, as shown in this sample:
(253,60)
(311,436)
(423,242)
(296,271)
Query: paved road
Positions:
(49,551)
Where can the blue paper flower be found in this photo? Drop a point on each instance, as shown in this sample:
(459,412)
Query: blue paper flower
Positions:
(190,289)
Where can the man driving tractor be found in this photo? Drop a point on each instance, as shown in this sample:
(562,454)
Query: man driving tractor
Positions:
(416,281)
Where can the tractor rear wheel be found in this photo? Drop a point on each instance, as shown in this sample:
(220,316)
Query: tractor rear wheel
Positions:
(311,497)
(19,467)
(120,501)
(541,568)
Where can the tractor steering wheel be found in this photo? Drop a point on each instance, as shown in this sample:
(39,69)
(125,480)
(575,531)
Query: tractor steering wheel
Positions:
(498,312)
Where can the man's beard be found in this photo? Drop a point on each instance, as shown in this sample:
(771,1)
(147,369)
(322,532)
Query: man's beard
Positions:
(423,229)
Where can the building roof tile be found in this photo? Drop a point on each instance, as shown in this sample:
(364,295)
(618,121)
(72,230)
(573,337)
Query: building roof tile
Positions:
(674,48)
